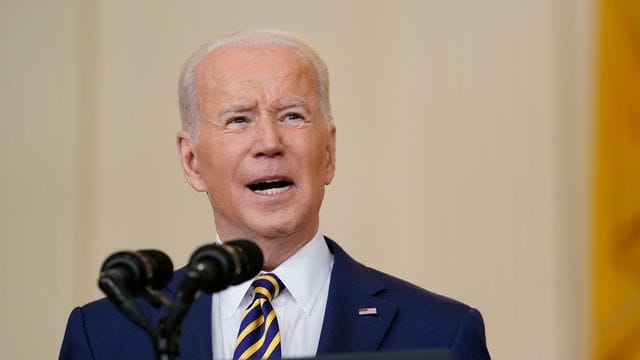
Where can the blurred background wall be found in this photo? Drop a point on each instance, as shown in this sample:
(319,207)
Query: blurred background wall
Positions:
(464,151)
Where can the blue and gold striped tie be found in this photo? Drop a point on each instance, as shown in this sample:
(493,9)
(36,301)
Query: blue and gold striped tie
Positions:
(259,334)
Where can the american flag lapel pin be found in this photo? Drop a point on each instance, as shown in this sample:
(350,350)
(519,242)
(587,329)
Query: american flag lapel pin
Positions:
(367,311)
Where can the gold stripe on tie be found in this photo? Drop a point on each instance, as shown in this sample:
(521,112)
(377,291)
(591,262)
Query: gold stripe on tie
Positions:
(274,343)
(263,291)
(251,327)
(272,281)
(252,306)
(258,344)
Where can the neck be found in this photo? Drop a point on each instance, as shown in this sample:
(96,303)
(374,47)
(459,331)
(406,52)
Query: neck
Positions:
(277,251)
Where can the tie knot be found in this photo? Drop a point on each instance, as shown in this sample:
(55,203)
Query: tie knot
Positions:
(267,286)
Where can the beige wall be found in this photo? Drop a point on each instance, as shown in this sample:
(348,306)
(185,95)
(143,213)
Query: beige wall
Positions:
(463,151)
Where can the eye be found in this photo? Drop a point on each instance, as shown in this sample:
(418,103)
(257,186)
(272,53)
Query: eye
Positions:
(237,122)
(293,118)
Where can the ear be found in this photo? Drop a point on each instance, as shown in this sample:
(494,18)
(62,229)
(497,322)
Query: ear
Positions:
(331,155)
(189,161)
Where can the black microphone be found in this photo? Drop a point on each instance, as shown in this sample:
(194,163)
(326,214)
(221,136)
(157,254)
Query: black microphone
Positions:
(231,263)
(134,271)
(213,268)
(125,275)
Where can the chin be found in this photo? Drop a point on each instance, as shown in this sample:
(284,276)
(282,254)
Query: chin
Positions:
(278,223)
(274,227)
(274,231)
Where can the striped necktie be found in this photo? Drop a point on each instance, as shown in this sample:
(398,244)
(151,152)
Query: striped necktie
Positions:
(259,334)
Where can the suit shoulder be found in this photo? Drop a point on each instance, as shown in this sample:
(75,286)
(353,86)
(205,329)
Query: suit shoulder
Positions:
(414,305)
(98,310)
(406,294)
(398,291)
(420,318)
(98,327)
(445,322)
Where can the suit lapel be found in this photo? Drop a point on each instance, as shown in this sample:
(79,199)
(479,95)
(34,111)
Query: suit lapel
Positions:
(352,288)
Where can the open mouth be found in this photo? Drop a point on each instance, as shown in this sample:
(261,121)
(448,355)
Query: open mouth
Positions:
(270,187)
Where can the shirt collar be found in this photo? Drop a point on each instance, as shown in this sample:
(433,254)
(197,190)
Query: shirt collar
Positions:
(303,275)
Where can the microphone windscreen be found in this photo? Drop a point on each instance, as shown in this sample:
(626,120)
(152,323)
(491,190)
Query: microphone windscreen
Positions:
(251,263)
(230,263)
(159,268)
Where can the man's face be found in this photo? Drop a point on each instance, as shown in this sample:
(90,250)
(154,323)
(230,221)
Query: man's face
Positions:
(263,151)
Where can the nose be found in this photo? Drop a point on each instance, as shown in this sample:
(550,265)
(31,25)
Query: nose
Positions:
(268,138)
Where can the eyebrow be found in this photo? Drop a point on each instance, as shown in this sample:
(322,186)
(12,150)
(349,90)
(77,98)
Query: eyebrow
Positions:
(291,104)
(236,108)
(278,106)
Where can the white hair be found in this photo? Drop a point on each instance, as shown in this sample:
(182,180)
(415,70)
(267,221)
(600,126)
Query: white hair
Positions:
(187,90)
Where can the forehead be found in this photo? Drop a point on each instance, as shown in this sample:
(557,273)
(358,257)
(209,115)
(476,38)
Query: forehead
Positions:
(242,68)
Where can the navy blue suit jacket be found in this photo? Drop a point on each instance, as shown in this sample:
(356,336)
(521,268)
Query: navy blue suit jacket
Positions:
(407,318)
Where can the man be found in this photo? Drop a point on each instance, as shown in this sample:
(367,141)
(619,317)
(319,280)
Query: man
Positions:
(259,139)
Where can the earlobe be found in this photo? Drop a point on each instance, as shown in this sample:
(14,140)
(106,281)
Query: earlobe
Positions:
(189,161)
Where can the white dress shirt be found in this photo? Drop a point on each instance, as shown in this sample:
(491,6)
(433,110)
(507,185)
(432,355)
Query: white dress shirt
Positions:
(299,309)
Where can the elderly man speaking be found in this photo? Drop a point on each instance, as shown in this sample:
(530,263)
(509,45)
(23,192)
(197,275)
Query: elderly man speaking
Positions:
(258,138)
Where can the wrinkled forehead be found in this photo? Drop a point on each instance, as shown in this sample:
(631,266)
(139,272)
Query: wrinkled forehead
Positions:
(245,66)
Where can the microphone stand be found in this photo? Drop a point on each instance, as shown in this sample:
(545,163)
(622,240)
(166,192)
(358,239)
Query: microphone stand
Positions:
(125,302)
(167,340)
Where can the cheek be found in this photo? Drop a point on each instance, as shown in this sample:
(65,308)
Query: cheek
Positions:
(217,159)
(316,158)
